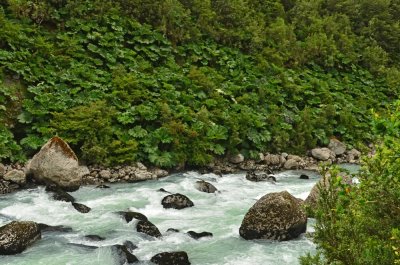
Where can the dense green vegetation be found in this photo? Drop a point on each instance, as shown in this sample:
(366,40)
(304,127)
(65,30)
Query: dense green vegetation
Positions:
(182,81)
(360,224)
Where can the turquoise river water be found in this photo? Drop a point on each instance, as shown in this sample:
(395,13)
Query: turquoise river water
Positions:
(219,213)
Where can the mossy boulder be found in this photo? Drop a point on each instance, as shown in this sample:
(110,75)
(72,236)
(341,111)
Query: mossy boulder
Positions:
(16,236)
(276,216)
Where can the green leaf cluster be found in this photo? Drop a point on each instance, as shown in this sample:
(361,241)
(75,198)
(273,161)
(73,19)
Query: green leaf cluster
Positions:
(358,224)
(183,81)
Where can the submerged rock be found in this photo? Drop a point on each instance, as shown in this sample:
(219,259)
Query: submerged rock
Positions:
(129,245)
(16,236)
(176,201)
(81,207)
(83,246)
(133,215)
(95,238)
(304,176)
(54,228)
(205,186)
(123,255)
(57,164)
(148,228)
(172,230)
(276,216)
(102,186)
(196,235)
(61,195)
(171,258)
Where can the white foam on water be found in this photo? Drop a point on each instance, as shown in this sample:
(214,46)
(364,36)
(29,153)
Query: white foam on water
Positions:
(220,213)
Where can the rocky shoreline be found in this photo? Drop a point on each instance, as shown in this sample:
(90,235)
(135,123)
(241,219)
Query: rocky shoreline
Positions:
(17,176)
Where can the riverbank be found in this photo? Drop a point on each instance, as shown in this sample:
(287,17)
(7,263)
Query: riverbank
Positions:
(16,176)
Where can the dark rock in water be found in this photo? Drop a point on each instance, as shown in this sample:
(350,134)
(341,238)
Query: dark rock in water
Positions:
(54,228)
(275,216)
(253,176)
(95,237)
(129,245)
(61,195)
(171,258)
(173,230)
(205,186)
(81,207)
(124,256)
(83,246)
(176,201)
(52,187)
(148,228)
(196,235)
(304,176)
(16,236)
(132,215)
(102,186)
(163,190)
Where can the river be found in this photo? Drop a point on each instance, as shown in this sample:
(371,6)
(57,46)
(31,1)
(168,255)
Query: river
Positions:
(220,214)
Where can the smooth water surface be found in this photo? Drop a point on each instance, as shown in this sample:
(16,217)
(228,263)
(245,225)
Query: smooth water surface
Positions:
(219,213)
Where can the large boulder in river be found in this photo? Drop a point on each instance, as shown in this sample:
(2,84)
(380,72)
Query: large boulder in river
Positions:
(171,258)
(176,201)
(276,216)
(15,237)
(57,164)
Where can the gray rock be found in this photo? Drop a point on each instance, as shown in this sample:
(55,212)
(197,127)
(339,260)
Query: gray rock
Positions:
(16,236)
(337,146)
(16,176)
(2,170)
(176,201)
(353,155)
(171,258)
(276,216)
(105,174)
(148,228)
(56,163)
(291,164)
(160,173)
(322,154)
(236,159)
(272,160)
(205,186)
